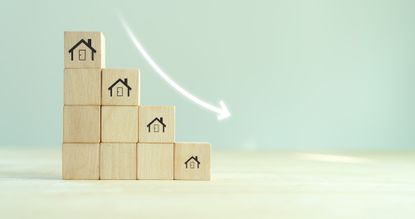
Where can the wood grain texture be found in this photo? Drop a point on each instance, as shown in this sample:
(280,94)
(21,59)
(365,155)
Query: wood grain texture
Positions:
(157,124)
(81,124)
(82,56)
(82,87)
(119,124)
(118,161)
(155,161)
(245,184)
(115,90)
(192,161)
(80,161)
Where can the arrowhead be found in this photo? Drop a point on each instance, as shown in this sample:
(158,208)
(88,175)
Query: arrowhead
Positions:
(224,112)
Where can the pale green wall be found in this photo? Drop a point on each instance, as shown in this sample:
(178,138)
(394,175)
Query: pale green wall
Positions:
(295,74)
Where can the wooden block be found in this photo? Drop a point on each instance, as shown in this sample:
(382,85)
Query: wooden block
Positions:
(84,50)
(155,161)
(82,86)
(192,161)
(118,161)
(119,124)
(157,124)
(80,161)
(120,87)
(81,124)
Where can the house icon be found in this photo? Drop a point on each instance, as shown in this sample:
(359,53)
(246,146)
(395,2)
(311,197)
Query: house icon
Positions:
(120,85)
(155,125)
(191,162)
(81,51)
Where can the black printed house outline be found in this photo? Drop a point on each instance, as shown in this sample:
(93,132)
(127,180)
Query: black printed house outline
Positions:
(88,44)
(124,82)
(192,158)
(160,120)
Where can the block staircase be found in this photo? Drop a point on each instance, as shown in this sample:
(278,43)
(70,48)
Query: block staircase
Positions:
(107,134)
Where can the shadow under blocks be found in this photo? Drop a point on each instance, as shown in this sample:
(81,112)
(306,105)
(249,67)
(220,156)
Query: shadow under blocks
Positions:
(107,134)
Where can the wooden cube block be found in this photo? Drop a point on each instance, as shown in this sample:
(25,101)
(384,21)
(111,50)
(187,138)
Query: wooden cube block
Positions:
(80,161)
(155,161)
(81,124)
(192,161)
(120,87)
(157,124)
(84,50)
(82,86)
(118,161)
(119,124)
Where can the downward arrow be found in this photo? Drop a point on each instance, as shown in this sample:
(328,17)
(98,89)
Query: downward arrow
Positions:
(221,110)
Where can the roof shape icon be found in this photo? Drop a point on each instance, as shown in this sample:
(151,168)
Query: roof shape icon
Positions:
(88,44)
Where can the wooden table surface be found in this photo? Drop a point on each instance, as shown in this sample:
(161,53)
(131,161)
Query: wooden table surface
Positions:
(245,185)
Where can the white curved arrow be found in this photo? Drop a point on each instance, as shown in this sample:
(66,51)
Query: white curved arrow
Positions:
(221,110)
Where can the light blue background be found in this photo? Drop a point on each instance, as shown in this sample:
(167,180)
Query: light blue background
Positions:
(294,74)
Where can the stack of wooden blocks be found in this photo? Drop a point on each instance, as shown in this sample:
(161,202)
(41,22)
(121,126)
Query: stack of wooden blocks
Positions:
(107,134)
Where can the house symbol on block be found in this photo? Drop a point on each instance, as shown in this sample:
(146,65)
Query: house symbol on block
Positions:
(192,162)
(155,125)
(120,88)
(82,51)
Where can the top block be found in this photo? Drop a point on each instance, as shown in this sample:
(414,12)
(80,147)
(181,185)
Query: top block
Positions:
(84,50)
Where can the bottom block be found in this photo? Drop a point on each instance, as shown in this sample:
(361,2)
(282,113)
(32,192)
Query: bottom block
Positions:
(118,161)
(80,161)
(192,161)
(155,161)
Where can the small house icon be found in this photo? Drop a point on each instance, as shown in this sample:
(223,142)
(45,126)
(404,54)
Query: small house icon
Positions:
(192,162)
(81,51)
(120,88)
(155,125)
